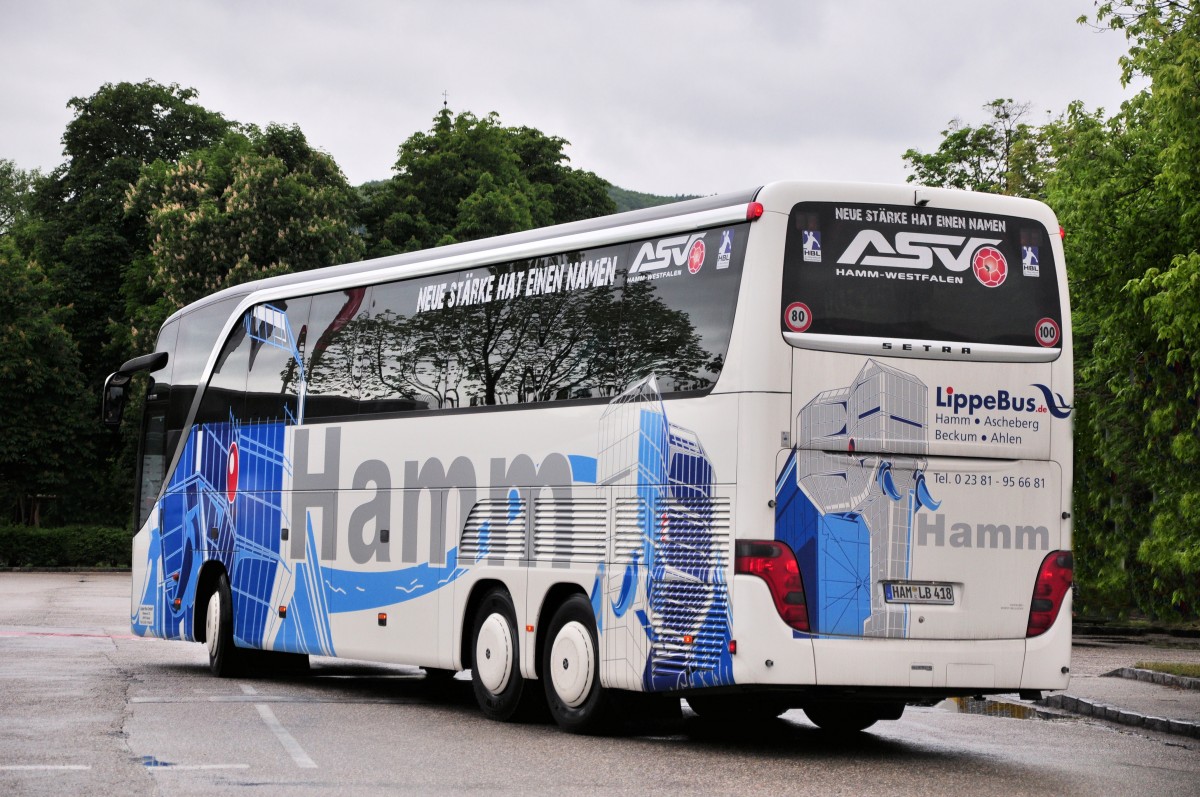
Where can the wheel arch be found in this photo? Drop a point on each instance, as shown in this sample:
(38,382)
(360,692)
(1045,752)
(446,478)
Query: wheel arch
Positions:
(479,591)
(206,585)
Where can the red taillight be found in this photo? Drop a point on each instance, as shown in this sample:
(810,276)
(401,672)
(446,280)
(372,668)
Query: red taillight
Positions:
(1062,233)
(1053,582)
(754,211)
(775,564)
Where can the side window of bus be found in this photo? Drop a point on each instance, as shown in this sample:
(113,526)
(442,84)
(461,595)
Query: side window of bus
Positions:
(403,362)
(676,323)
(335,323)
(168,338)
(158,443)
(555,328)
(224,396)
(273,385)
(561,343)
(198,332)
(154,460)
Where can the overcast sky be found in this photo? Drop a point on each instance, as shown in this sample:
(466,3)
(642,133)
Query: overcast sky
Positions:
(660,96)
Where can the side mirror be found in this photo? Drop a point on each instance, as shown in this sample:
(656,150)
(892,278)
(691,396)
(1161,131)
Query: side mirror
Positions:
(113,401)
(113,406)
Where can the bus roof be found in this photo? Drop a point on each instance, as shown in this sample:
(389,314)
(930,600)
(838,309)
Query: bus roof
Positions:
(652,214)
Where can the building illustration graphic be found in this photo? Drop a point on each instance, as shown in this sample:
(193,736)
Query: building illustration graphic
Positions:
(848,496)
(668,604)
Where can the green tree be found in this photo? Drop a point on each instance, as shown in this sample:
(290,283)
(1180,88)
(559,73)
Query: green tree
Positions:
(260,203)
(1099,191)
(77,232)
(45,417)
(81,234)
(1005,155)
(16,192)
(1126,188)
(1145,366)
(470,178)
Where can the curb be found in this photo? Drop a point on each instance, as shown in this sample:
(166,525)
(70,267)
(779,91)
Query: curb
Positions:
(1103,711)
(1101,631)
(1154,677)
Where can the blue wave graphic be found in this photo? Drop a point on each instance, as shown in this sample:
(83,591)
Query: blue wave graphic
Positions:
(1055,403)
(357,591)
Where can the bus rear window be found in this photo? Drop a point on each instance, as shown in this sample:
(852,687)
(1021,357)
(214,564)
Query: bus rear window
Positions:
(881,273)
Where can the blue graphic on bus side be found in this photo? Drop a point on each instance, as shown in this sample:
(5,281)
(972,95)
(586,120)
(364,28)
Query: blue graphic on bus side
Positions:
(673,585)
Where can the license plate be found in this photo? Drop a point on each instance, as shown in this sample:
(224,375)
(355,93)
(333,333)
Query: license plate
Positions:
(918,592)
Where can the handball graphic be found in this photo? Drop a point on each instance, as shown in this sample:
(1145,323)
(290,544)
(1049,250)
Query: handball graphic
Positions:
(990,266)
(696,257)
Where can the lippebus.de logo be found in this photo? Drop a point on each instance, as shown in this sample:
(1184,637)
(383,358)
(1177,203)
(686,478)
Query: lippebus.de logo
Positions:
(1003,401)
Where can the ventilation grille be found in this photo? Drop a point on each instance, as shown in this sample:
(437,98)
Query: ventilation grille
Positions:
(692,535)
(689,597)
(495,529)
(690,628)
(629,530)
(570,530)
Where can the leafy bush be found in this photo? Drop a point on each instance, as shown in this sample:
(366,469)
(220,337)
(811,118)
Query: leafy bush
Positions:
(67,546)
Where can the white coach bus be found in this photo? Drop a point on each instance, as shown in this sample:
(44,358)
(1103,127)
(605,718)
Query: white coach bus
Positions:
(804,446)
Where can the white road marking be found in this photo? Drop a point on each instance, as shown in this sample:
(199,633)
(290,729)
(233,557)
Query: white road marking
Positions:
(171,767)
(286,739)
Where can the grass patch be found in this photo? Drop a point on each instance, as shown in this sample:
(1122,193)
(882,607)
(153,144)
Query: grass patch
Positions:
(1171,668)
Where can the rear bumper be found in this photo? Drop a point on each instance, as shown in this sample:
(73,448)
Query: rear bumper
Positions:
(770,655)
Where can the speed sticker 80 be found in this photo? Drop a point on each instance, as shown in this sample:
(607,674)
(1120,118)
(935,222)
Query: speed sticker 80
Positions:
(797,316)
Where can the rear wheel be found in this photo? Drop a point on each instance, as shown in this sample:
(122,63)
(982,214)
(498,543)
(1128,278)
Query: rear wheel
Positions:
(225,660)
(851,717)
(571,669)
(496,667)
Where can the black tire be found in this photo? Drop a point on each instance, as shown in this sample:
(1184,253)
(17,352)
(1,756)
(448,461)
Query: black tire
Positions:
(225,660)
(851,717)
(571,670)
(737,708)
(500,691)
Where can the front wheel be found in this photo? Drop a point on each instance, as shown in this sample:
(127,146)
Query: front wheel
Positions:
(225,660)
(571,669)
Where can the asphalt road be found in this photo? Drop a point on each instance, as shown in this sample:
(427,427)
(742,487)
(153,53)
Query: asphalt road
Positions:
(86,708)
